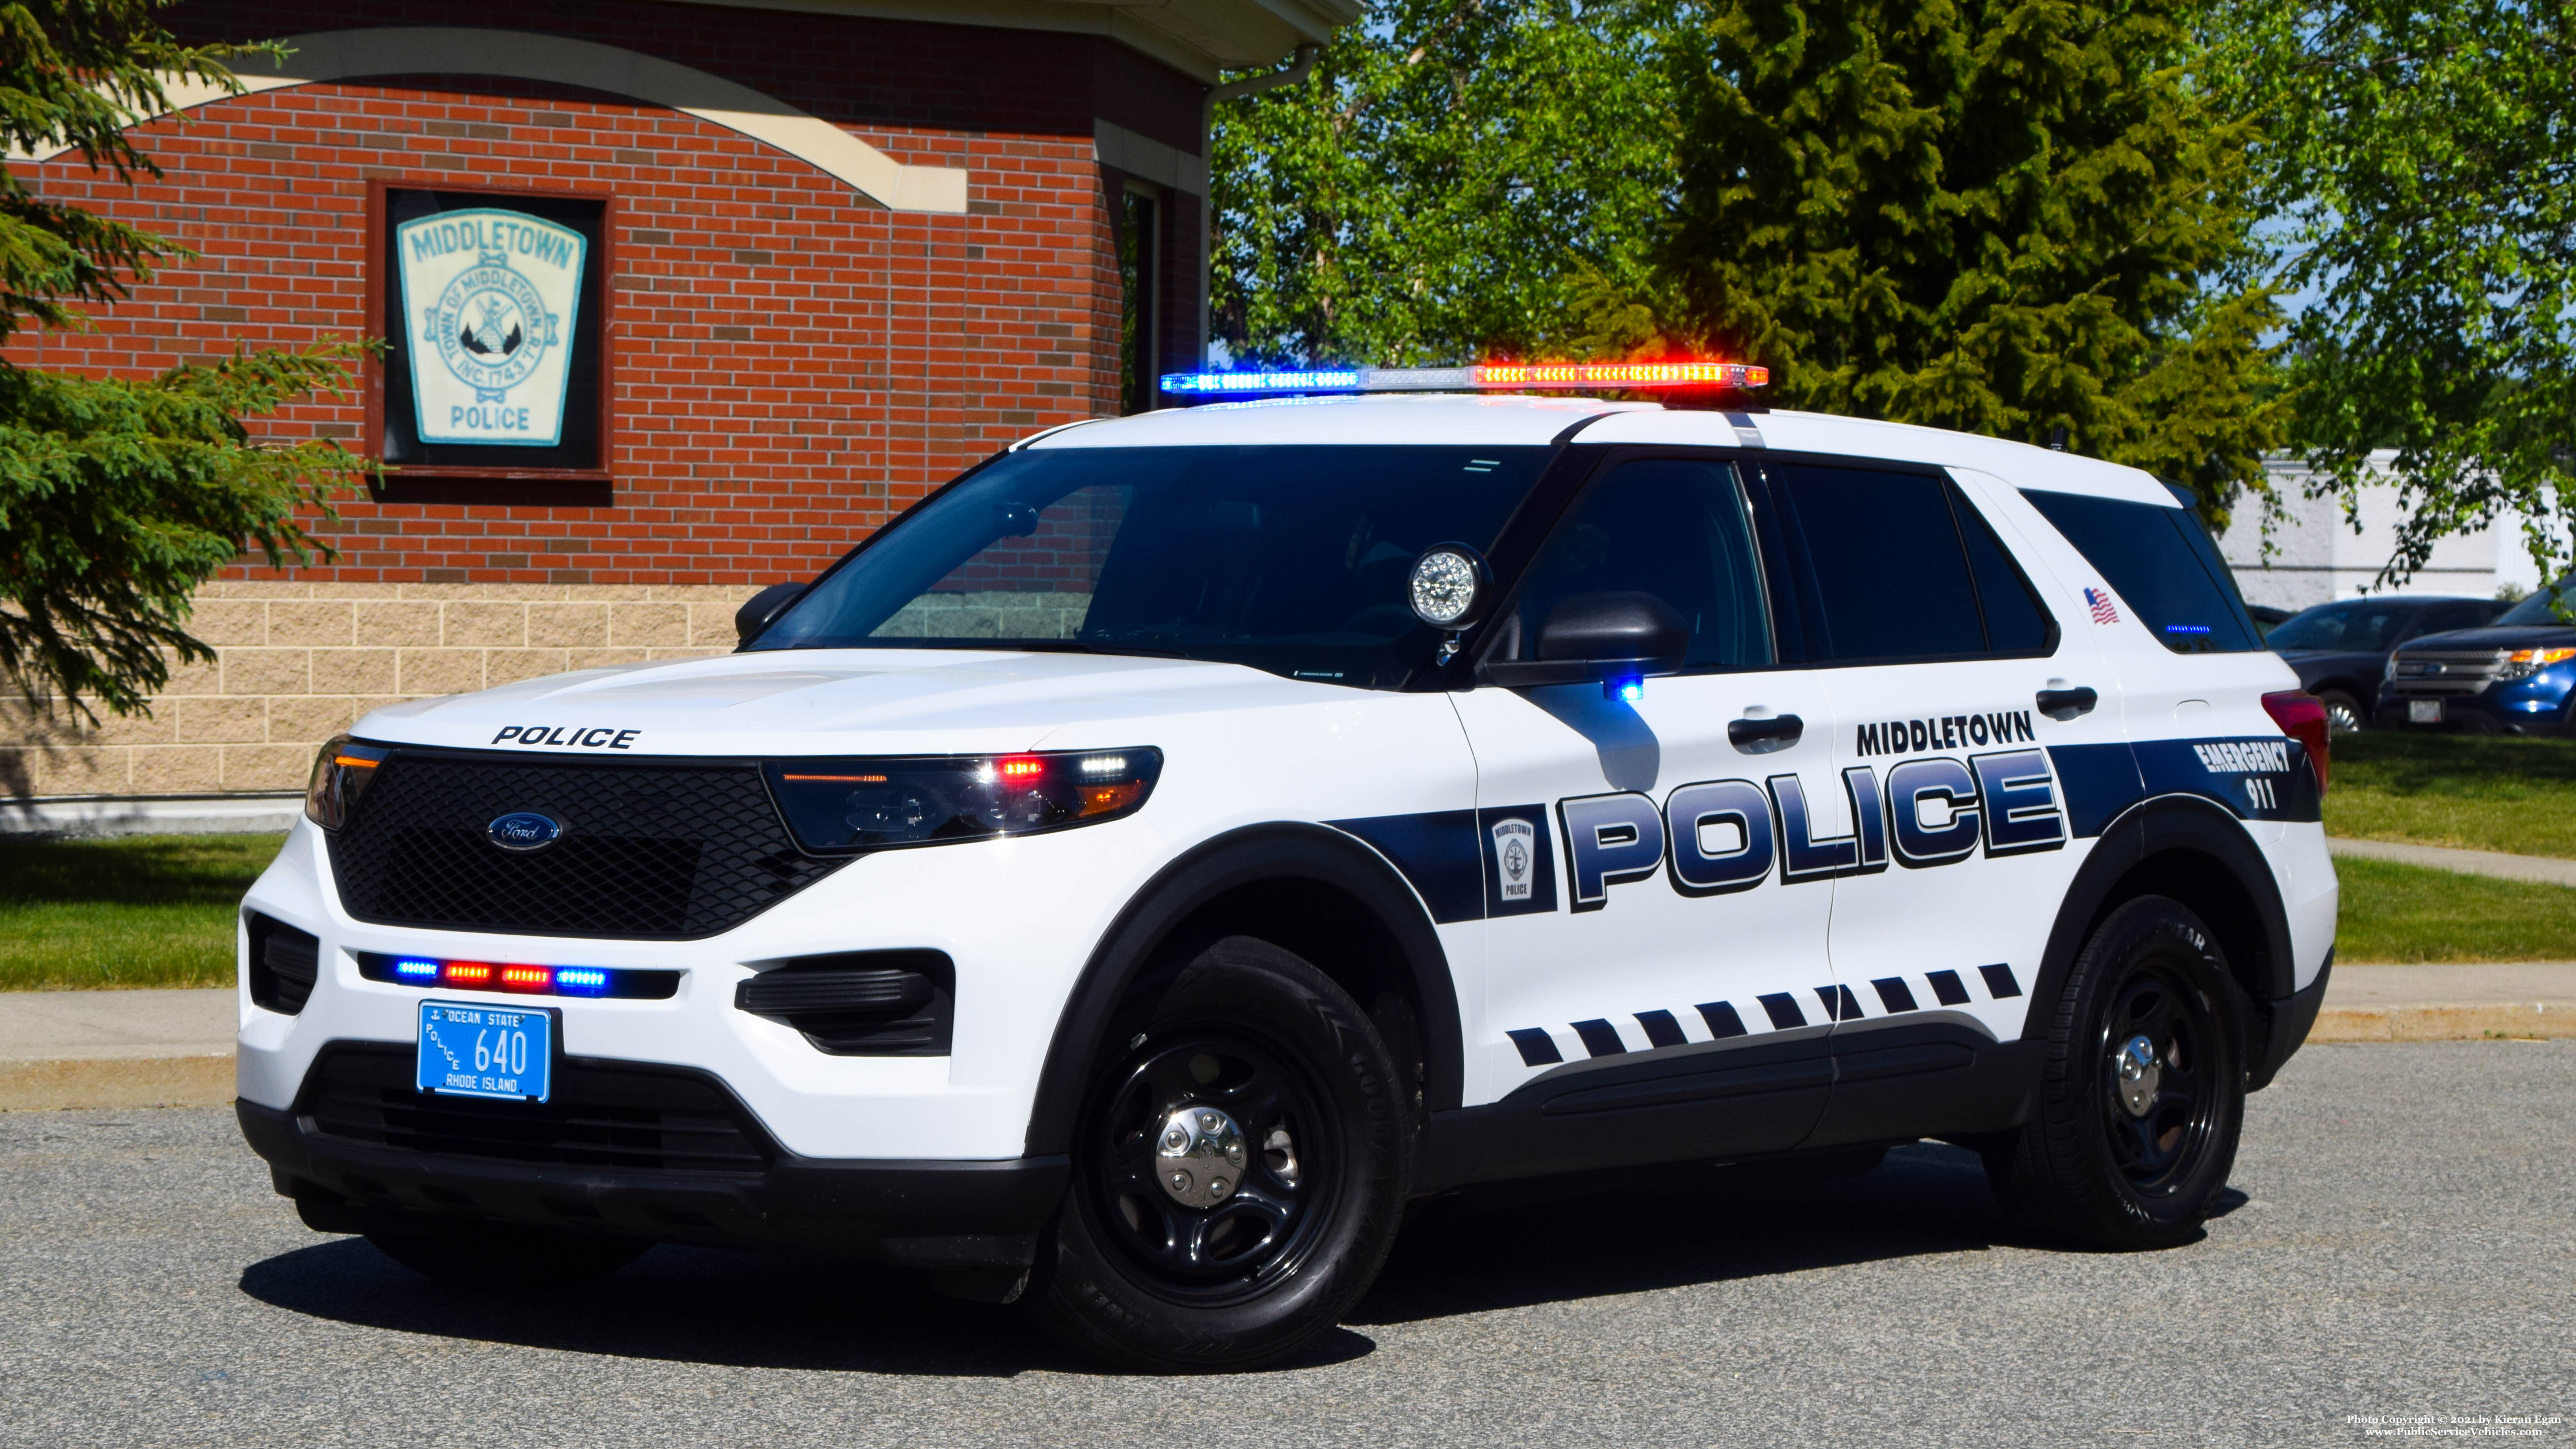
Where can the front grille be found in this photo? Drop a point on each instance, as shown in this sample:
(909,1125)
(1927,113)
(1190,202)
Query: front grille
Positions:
(650,849)
(604,1115)
(2446,671)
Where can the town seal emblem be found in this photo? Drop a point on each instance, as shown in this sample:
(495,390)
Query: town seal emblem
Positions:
(489,299)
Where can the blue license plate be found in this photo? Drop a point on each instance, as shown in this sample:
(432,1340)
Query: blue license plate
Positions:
(507,1052)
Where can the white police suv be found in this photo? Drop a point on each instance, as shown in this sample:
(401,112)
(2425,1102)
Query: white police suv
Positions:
(1135,874)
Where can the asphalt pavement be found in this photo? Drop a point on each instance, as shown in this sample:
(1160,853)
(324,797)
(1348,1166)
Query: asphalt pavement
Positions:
(2399,1252)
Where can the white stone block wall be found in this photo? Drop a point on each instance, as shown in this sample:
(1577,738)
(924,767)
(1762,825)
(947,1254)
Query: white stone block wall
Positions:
(298,663)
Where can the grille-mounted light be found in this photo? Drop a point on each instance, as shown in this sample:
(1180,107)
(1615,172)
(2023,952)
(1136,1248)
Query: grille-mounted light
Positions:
(518,978)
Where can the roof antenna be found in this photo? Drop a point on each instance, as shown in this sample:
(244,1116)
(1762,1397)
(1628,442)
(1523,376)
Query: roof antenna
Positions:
(2057,438)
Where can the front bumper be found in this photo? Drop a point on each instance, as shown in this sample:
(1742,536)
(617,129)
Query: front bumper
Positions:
(2535,706)
(936,1215)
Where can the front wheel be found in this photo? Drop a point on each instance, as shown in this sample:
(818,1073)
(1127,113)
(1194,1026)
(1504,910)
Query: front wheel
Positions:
(2142,1088)
(1239,1172)
(2344,714)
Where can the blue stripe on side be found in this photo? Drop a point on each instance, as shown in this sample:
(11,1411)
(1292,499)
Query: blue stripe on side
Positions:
(1439,852)
(2099,781)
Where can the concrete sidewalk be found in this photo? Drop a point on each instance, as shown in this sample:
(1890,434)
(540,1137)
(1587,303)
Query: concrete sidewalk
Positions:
(2542,869)
(111,1049)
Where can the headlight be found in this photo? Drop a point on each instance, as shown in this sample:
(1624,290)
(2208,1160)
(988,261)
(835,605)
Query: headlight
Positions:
(875,803)
(340,775)
(2524,663)
(2388,671)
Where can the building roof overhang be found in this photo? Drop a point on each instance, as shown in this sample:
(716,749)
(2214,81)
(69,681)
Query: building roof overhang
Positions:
(1200,37)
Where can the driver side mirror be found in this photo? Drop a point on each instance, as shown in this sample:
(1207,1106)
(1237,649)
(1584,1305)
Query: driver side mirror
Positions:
(1605,637)
(757,611)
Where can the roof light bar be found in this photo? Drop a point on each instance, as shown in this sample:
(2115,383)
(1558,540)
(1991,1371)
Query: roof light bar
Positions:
(1485,377)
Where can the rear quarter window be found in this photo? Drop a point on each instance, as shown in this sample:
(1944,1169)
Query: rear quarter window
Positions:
(2161,563)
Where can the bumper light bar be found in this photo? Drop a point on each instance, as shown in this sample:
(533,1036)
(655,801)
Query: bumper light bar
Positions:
(427,972)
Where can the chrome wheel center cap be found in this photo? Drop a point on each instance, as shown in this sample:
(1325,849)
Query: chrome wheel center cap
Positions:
(1199,1157)
(2139,1072)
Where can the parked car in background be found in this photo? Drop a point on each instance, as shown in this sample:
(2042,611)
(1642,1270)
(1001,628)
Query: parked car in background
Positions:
(2341,649)
(2266,618)
(2513,676)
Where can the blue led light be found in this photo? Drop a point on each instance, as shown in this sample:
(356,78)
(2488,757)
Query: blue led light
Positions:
(1632,690)
(581,980)
(1241,382)
(416,970)
(2186,628)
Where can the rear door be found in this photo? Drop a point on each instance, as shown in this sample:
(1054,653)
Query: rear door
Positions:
(1955,686)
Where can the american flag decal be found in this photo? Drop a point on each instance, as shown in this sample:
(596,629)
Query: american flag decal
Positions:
(2103,612)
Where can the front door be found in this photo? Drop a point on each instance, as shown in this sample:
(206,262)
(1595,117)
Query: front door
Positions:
(1661,870)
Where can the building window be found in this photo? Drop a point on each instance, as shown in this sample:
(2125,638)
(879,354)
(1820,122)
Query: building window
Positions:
(493,309)
(1139,278)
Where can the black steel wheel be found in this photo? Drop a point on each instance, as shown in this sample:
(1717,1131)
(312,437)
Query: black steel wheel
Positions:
(1239,1170)
(2142,1087)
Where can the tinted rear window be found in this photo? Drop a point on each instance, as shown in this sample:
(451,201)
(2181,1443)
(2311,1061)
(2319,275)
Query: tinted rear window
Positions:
(2162,564)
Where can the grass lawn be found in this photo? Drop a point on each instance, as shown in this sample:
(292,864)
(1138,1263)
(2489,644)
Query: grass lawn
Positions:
(2408,914)
(2481,793)
(151,910)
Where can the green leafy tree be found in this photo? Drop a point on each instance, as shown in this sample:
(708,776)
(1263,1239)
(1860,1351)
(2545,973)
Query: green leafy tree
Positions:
(119,496)
(1448,184)
(2003,216)
(2422,159)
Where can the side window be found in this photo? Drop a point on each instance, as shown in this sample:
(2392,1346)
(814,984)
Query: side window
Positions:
(2444,617)
(1877,564)
(1672,527)
(2160,562)
(2016,623)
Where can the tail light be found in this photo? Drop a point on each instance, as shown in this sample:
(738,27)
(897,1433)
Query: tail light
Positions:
(2302,716)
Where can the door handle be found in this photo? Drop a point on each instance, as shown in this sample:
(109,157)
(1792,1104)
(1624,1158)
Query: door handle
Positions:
(2062,704)
(1762,736)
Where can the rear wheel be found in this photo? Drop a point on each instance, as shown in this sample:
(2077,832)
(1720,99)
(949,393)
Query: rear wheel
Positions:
(473,1254)
(2344,714)
(2142,1088)
(1239,1172)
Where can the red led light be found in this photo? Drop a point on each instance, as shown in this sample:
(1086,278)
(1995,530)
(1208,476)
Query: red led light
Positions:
(1022,768)
(1621,374)
(526,978)
(466,973)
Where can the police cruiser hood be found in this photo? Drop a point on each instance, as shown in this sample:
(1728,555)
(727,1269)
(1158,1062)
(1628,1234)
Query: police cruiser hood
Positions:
(841,701)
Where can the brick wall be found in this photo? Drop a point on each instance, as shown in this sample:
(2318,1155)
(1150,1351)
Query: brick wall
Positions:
(792,363)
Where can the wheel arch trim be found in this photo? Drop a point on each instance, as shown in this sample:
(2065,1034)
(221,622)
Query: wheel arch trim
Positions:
(1251,856)
(2186,826)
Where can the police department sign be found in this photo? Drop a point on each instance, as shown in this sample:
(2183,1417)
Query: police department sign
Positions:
(489,302)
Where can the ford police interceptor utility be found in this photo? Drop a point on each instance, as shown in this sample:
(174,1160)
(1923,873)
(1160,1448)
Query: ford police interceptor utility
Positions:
(1134,875)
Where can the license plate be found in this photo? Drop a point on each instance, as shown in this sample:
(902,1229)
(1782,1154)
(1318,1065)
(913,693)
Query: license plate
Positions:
(505,1052)
(2423,711)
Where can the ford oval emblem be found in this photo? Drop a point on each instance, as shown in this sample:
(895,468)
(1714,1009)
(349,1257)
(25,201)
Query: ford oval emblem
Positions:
(523,830)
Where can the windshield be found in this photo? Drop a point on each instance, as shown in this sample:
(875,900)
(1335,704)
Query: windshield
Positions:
(2363,628)
(2536,609)
(1289,559)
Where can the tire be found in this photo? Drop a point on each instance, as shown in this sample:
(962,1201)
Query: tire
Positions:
(1227,1272)
(2128,1150)
(2344,714)
(498,1256)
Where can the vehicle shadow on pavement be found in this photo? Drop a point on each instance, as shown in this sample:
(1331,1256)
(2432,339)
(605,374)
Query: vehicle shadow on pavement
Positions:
(1506,1247)
(1516,1246)
(704,1306)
